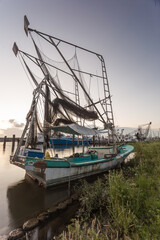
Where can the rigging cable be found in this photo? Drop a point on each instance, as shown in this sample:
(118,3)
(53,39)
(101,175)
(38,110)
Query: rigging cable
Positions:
(25,71)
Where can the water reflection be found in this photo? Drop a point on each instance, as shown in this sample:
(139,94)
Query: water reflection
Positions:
(26,199)
(56,225)
(63,151)
(21,199)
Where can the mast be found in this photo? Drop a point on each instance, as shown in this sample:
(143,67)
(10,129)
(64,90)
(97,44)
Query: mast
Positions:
(29,121)
(107,101)
(47,118)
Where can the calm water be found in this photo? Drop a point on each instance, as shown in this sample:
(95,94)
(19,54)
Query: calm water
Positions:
(21,199)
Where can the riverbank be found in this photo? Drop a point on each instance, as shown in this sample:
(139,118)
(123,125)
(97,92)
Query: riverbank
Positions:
(125,204)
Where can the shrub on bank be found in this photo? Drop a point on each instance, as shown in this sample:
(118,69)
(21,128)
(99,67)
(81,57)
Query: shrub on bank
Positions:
(125,204)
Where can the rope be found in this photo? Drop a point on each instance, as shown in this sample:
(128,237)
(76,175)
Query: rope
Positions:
(25,70)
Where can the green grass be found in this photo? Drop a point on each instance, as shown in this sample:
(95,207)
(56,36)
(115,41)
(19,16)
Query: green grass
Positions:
(125,204)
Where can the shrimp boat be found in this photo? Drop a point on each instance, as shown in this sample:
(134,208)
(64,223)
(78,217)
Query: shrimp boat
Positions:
(67,100)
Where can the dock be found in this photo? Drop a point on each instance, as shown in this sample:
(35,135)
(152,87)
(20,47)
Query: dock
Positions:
(12,139)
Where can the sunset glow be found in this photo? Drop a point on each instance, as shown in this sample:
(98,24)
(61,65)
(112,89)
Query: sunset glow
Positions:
(4,124)
(129,45)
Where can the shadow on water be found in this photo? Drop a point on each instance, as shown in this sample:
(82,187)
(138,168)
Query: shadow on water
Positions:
(56,225)
(26,200)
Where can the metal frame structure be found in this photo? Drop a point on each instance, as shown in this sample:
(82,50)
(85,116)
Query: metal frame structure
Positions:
(105,103)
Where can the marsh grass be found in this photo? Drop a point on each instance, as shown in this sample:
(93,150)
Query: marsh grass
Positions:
(125,204)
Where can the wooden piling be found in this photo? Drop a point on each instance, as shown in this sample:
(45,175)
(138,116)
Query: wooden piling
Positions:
(78,142)
(83,144)
(93,141)
(4,142)
(73,147)
(13,143)
(99,142)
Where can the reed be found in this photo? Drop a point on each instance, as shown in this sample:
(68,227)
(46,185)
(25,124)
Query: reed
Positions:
(125,204)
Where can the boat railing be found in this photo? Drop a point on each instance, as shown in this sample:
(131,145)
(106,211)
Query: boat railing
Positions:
(18,161)
(120,147)
(110,155)
(18,158)
(57,159)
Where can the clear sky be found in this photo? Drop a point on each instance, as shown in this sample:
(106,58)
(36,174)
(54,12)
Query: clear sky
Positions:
(125,32)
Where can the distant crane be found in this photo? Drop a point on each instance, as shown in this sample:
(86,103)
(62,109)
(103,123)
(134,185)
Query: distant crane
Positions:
(142,134)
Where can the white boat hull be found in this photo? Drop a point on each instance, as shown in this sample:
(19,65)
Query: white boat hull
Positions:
(59,175)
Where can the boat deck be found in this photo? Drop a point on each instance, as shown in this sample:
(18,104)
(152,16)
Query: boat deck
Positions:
(81,160)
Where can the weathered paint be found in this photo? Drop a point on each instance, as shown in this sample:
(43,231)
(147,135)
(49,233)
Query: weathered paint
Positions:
(75,168)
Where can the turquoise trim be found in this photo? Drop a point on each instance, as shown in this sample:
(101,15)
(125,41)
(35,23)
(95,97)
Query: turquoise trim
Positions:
(80,161)
(94,148)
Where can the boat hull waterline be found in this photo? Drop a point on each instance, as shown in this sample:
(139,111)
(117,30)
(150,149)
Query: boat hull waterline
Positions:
(54,171)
